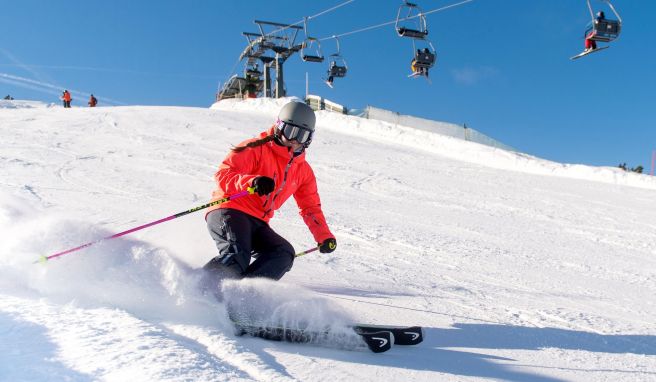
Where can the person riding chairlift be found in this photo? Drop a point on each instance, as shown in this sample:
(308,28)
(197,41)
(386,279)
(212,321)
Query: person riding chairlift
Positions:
(419,70)
(591,44)
(331,77)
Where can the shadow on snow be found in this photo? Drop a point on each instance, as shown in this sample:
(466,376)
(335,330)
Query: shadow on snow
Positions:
(35,360)
(434,354)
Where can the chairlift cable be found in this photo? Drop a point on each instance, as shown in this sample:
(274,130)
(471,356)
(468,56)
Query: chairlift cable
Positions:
(394,21)
(331,9)
(310,17)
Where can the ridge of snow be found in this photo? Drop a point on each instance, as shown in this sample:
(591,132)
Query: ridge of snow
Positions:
(22,104)
(446,146)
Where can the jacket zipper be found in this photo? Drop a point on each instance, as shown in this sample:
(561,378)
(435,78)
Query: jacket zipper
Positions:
(275,176)
(282,185)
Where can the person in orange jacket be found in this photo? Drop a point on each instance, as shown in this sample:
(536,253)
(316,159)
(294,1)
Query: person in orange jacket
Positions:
(66,98)
(93,101)
(274,165)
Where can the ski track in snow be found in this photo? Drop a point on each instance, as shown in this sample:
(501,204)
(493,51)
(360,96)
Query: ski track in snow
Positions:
(519,269)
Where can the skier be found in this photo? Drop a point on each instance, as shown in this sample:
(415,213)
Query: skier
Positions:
(274,165)
(419,64)
(331,77)
(93,101)
(591,44)
(66,98)
(418,70)
(413,67)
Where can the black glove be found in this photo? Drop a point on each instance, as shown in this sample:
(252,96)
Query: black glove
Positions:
(328,245)
(263,185)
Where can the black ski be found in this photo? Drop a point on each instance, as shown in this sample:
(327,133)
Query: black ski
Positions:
(403,335)
(377,341)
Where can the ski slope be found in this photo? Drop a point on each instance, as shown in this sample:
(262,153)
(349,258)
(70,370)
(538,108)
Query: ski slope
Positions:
(519,269)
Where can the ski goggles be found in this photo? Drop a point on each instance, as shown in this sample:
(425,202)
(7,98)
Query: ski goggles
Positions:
(293,132)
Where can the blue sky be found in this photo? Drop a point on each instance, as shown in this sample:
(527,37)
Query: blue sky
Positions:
(503,65)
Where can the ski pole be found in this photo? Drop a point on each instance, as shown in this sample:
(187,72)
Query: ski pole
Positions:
(306,251)
(248,191)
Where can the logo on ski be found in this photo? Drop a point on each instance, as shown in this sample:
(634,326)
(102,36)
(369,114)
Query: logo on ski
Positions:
(413,335)
(382,341)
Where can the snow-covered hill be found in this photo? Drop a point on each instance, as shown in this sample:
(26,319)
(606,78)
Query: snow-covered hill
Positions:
(520,269)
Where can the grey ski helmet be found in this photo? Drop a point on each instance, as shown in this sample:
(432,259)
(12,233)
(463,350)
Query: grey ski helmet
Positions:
(297,114)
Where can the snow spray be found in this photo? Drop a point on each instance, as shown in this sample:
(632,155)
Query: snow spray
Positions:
(248,191)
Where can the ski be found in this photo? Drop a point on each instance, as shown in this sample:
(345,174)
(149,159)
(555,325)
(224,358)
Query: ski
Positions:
(378,341)
(585,53)
(403,335)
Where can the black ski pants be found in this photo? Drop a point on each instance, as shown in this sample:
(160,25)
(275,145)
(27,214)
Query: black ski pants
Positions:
(238,237)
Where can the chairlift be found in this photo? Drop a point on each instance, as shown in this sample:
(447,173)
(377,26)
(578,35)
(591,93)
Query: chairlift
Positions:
(423,60)
(337,67)
(603,29)
(411,21)
(310,45)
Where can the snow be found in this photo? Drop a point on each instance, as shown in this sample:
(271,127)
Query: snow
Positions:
(519,268)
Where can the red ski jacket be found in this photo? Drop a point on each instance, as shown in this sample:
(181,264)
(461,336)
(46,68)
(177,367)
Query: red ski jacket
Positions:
(292,175)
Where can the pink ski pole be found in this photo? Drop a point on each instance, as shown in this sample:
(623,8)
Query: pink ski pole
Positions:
(248,191)
(306,251)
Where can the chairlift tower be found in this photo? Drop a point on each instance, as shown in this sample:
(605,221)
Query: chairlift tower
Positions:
(281,40)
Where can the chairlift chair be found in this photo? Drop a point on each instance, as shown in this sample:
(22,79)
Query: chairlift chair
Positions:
(309,43)
(312,44)
(413,29)
(337,67)
(424,58)
(604,30)
(337,71)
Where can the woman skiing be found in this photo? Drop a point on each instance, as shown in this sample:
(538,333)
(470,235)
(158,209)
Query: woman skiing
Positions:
(274,166)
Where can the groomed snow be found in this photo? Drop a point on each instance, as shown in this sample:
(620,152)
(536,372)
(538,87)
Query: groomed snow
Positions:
(519,269)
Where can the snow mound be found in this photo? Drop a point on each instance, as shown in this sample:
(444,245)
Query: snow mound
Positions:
(19,104)
(254,105)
